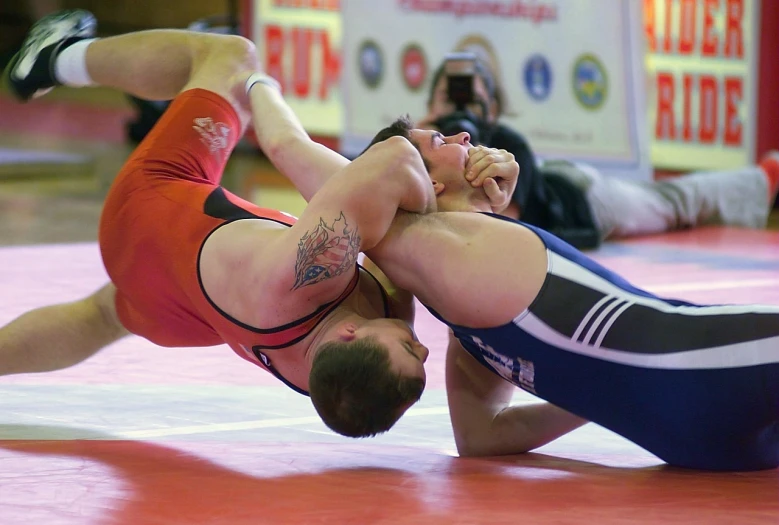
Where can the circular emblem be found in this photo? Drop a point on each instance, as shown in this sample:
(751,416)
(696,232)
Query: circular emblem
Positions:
(538,77)
(590,82)
(413,66)
(371,63)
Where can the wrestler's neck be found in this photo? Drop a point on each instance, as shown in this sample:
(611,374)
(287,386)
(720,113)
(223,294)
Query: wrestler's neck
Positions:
(331,329)
(473,200)
(363,304)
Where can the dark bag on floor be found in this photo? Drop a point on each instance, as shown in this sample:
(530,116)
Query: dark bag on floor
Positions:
(547,199)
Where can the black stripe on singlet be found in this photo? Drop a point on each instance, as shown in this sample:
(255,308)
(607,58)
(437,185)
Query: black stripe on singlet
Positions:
(670,332)
(647,329)
(563,304)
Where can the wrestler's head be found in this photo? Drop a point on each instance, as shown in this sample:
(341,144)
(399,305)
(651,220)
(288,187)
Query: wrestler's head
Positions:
(366,375)
(445,159)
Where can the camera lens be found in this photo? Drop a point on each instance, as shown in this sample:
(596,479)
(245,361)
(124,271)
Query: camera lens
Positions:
(458,122)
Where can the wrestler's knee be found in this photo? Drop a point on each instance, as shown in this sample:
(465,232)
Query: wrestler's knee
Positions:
(220,64)
(228,53)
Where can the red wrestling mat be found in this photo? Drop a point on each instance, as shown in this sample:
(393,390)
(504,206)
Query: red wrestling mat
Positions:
(146,435)
(130,483)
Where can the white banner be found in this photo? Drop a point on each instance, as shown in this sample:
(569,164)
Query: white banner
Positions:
(299,44)
(573,70)
(701,59)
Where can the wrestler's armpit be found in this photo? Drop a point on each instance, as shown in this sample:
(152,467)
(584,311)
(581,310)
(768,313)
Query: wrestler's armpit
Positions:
(325,252)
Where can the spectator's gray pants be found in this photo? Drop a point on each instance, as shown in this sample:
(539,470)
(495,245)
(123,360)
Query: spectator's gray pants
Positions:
(623,208)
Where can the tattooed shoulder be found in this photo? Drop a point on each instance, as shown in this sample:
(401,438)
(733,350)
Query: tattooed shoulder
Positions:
(326,251)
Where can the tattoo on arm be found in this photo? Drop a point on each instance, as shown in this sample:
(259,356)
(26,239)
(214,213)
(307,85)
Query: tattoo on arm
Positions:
(326,252)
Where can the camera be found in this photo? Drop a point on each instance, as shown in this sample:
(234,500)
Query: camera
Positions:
(460,71)
(460,121)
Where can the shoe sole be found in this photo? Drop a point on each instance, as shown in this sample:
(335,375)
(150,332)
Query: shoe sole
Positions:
(6,80)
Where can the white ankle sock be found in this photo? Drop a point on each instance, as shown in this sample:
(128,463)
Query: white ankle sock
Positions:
(70,66)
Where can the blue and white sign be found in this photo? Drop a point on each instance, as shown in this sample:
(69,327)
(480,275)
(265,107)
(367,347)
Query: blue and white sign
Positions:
(537,76)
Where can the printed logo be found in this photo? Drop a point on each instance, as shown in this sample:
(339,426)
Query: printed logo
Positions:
(215,135)
(526,374)
(255,352)
(371,63)
(413,65)
(520,371)
(590,82)
(537,75)
(263,358)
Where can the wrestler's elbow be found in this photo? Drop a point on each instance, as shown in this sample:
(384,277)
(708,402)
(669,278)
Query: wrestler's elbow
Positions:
(479,445)
(485,439)
(400,175)
(419,196)
(280,145)
(470,448)
(506,432)
(521,428)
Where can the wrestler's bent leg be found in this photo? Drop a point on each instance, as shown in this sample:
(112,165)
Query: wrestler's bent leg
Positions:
(60,336)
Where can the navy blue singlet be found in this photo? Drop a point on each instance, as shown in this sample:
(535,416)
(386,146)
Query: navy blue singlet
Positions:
(698,386)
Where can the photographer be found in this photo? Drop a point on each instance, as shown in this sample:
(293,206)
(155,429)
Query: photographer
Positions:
(574,201)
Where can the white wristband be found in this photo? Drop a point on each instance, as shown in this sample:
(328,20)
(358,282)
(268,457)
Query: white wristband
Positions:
(261,78)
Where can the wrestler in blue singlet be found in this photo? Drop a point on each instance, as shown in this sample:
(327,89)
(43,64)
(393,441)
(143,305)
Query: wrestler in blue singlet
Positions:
(698,386)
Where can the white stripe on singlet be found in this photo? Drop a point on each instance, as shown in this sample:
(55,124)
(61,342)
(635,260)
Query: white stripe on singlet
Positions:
(748,353)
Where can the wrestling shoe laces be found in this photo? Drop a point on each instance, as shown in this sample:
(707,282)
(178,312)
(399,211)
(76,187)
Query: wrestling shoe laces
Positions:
(30,74)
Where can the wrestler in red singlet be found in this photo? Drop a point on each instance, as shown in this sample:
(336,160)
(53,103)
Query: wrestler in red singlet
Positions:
(161,209)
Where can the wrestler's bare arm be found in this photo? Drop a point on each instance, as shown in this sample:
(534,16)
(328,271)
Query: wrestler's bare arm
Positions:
(282,137)
(309,164)
(344,218)
(473,269)
(483,421)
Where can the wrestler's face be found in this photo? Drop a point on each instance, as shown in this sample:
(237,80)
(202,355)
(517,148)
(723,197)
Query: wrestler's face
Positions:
(445,158)
(407,355)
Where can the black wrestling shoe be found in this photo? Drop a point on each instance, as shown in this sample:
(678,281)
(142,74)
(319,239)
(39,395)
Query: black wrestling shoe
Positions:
(30,74)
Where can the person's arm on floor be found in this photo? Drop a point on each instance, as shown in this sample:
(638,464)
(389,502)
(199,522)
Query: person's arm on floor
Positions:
(484,422)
